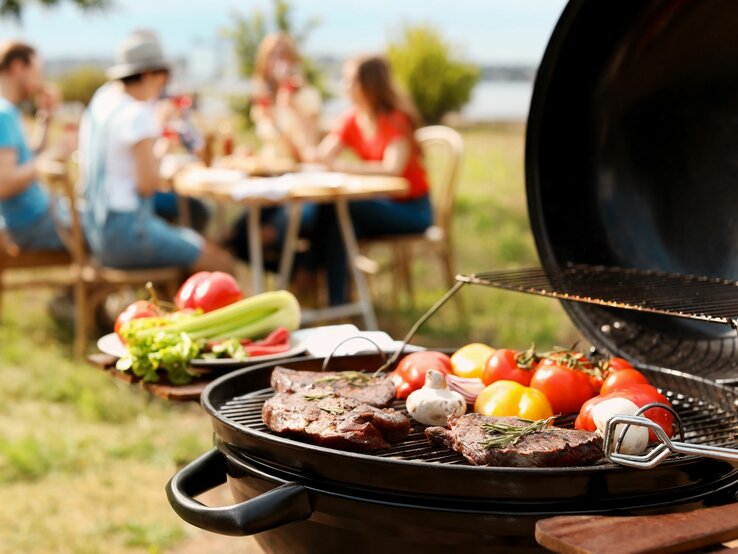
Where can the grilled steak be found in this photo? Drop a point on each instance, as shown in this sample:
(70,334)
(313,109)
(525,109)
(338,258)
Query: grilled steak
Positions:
(552,447)
(376,391)
(330,419)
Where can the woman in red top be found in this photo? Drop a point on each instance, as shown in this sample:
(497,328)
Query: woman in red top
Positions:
(379,130)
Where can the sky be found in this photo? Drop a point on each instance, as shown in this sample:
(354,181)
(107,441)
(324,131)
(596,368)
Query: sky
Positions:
(482,31)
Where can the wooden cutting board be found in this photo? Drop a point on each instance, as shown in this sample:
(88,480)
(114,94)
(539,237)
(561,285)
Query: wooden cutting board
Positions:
(660,534)
(162,389)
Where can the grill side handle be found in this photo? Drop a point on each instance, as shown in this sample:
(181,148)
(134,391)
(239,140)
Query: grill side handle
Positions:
(285,504)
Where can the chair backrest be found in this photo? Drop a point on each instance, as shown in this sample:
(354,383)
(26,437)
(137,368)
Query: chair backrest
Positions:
(56,175)
(440,136)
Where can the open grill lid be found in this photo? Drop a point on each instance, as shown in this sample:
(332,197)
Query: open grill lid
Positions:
(631,161)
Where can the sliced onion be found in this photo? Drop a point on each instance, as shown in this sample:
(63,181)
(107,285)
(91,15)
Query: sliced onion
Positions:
(468,387)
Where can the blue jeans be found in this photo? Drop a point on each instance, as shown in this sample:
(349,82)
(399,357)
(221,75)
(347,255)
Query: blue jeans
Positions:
(166,205)
(370,218)
(41,234)
(141,239)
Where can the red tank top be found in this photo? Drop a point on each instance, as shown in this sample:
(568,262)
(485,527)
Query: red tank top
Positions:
(390,127)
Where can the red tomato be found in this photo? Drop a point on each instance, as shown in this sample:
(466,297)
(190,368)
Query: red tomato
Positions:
(208,291)
(566,389)
(604,368)
(139,309)
(640,395)
(621,379)
(508,365)
(616,364)
(410,372)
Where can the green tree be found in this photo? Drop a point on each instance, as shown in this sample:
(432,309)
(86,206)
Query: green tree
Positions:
(14,8)
(80,84)
(437,81)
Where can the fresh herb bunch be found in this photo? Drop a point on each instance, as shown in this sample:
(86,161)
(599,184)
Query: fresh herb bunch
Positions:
(353,378)
(504,435)
(320,395)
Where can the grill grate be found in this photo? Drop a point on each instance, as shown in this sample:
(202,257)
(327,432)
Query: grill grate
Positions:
(704,422)
(686,296)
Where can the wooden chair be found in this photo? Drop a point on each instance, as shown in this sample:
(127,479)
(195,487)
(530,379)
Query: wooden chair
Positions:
(93,282)
(437,239)
(13,258)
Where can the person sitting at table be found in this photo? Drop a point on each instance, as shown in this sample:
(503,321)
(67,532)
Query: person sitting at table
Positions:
(284,107)
(379,129)
(120,151)
(24,205)
(285,111)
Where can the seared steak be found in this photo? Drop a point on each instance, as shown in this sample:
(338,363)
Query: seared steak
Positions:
(329,419)
(552,447)
(376,391)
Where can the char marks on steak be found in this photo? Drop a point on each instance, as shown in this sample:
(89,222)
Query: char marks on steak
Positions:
(553,447)
(329,419)
(376,391)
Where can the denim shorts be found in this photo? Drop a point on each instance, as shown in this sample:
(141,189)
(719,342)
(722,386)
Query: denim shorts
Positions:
(40,235)
(141,239)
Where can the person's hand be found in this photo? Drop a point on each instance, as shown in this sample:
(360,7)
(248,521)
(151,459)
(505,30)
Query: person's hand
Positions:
(49,98)
(164,112)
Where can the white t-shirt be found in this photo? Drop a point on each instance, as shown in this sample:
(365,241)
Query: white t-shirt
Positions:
(129,121)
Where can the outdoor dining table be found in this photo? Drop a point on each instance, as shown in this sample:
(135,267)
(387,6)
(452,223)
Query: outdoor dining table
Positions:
(293,190)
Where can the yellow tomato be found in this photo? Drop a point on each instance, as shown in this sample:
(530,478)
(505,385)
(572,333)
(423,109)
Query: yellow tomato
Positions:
(508,398)
(469,360)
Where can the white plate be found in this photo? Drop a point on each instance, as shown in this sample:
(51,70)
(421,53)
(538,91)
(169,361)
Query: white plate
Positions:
(111,344)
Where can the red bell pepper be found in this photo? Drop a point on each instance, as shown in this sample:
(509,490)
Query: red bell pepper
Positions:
(640,395)
(410,373)
(208,291)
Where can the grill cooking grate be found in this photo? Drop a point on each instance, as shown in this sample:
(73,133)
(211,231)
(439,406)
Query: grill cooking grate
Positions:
(687,296)
(704,422)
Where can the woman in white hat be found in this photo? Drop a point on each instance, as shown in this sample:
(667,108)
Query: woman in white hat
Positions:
(120,152)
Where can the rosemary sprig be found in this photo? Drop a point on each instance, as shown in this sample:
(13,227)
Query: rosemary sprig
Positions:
(317,396)
(503,435)
(335,410)
(353,378)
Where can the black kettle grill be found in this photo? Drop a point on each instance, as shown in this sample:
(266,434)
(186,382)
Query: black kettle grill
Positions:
(629,164)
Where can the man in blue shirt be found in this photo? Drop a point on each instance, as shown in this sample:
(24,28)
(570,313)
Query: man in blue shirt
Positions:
(24,205)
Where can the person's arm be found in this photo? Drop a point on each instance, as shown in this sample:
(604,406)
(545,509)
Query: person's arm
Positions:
(14,178)
(41,131)
(146,165)
(394,162)
(49,100)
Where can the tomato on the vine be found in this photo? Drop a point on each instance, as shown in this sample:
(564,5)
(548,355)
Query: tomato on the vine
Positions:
(137,310)
(616,364)
(604,368)
(566,388)
(623,378)
(509,365)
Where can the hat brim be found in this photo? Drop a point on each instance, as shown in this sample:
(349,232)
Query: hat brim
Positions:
(130,69)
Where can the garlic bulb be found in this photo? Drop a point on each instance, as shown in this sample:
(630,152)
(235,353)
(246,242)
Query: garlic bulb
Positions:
(636,439)
(434,403)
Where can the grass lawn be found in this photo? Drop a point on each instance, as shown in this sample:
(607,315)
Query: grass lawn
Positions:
(84,458)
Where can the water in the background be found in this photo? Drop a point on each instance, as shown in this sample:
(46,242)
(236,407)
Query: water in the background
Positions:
(499,101)
(490,101)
